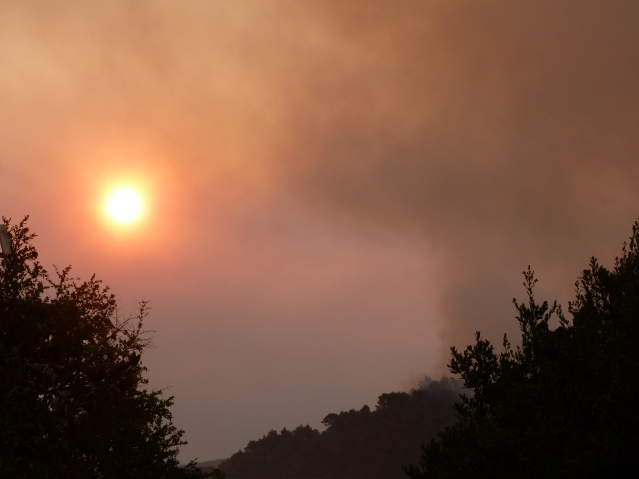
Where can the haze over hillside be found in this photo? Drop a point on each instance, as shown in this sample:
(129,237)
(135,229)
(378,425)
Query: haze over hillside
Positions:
(360,443)
(333,193)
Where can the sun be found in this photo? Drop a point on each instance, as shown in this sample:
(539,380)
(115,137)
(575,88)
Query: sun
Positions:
(124,205)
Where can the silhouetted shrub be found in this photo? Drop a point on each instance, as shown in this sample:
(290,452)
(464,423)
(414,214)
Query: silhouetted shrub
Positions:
(73,399)
(564,403)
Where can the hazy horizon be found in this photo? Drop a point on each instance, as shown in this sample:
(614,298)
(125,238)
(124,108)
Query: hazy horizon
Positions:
(335,192)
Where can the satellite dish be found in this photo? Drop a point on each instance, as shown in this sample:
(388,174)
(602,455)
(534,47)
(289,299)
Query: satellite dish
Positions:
(5,240)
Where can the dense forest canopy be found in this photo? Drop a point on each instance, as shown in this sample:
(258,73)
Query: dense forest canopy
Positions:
(360,443)
(564,403)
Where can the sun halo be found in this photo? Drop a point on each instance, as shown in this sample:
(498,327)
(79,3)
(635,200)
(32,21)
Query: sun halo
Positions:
(124,205)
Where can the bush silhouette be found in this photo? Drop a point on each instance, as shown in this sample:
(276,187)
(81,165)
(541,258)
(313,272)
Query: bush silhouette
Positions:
(73,399)
(564,402)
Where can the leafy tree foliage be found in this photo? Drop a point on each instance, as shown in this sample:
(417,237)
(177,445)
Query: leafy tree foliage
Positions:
(73,398)
(356,444)
(564,402)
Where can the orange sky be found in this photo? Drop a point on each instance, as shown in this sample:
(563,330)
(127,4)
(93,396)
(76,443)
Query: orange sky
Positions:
(335,192)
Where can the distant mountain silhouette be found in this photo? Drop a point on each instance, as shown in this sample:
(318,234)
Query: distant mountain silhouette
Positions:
(209,466)
(356,444)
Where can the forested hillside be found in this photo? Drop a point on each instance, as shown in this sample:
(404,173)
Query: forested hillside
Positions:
(361,443)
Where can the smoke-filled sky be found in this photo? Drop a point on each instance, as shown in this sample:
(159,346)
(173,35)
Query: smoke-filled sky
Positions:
(335,192)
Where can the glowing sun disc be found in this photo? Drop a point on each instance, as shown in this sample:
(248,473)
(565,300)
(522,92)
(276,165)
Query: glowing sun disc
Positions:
(124,205)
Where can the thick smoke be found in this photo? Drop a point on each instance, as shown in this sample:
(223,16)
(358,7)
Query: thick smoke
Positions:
(342,190)
(501,134)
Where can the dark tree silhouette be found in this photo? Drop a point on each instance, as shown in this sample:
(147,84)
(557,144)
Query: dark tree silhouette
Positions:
(562,404)
(73,398)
